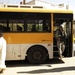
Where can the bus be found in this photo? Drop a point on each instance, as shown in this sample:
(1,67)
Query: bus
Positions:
(30,32)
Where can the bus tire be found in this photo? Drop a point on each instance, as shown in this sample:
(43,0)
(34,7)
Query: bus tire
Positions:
(37,54)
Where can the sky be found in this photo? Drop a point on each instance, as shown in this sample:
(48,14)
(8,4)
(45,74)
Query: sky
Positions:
(70,2)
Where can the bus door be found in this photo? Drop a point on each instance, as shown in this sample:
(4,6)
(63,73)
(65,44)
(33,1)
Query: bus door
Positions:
(68,48)
(67,26)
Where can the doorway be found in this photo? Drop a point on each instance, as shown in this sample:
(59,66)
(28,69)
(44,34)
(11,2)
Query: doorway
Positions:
(67,27)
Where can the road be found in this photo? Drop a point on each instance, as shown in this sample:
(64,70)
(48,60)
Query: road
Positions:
(50,67)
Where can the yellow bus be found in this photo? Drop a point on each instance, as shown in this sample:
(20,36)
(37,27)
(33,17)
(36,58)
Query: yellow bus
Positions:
(29,32)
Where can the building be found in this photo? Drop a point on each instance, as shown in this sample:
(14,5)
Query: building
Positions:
(46,4)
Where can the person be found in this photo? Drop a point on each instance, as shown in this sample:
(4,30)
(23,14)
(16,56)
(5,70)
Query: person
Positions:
(2,52)
(60,36)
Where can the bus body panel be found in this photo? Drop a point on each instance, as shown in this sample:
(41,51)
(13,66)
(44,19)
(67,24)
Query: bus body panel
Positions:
(34,10)
(19,51)
(19,43)
(13,52)
(24,38)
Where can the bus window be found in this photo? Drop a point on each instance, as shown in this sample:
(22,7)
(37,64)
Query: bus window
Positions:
(35,25)
(16,25)
(25,22)
(3,25)
(30,24)
(38,22)
(38,26)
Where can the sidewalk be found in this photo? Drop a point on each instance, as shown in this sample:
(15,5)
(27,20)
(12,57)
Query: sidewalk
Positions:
(66,68)
(52,67)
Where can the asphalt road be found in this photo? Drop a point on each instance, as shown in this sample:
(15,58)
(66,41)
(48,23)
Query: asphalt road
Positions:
(50,67)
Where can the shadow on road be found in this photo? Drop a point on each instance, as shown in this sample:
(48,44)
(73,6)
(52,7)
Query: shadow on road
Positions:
(71,68)
(26,63)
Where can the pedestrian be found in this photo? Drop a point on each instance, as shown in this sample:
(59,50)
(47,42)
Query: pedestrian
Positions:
(60,36)
(2,52)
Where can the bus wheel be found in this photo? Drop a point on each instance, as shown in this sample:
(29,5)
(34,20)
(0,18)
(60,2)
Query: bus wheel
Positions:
(37,54)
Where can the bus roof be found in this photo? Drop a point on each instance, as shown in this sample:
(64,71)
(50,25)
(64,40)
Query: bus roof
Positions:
(39,10)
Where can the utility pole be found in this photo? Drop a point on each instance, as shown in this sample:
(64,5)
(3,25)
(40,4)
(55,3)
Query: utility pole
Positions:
(23,2)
